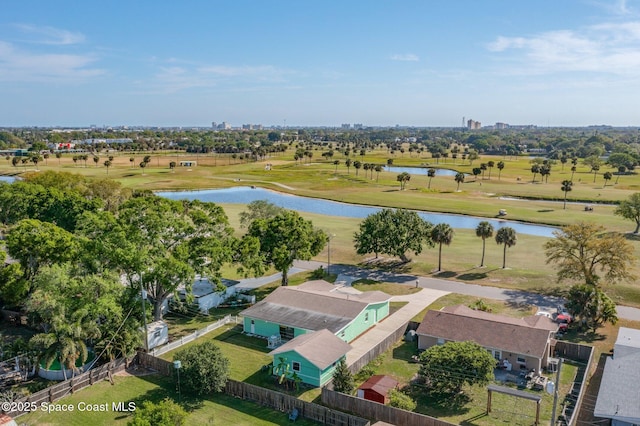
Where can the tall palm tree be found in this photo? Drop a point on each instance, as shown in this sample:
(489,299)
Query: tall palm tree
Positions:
(607,177)
(459,178)
(431,173)
(490,165)
(484,230)
(500,166)
(442,233)
(566,187)
(506,236)
(348,163)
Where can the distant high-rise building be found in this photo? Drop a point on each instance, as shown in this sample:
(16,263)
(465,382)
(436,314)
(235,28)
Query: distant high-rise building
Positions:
(473,125)
(358,126)
(214,124)
(501,125)
(346,126)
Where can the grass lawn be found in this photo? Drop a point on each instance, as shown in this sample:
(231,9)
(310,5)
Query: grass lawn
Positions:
(247,356)
(217,409)
(392,289)
(494,306)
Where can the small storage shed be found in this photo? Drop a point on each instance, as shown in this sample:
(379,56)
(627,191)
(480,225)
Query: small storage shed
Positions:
(157,334)
(377,388)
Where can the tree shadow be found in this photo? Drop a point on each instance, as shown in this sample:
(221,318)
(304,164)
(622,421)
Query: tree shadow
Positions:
(472,276)
(632,237)
(471,420)
(387,265)
(445,274)
(546,211)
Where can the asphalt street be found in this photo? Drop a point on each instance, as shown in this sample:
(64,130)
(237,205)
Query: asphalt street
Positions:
(516,297)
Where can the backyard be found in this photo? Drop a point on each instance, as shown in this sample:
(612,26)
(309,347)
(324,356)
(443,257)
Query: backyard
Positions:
(218,409)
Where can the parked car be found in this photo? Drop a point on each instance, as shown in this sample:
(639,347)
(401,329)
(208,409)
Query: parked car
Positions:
(544,314)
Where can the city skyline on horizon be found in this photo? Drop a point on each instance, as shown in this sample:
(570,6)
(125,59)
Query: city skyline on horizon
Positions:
(292,64)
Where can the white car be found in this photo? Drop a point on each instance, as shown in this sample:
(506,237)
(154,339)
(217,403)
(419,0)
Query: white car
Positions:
(545,314)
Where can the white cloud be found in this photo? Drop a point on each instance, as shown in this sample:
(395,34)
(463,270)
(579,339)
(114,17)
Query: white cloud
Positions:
(409,57)
(50,35)
(177,78)
(610,48)
(21,66)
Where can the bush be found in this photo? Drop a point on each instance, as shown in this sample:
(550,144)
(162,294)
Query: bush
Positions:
(164,413)
(401,400)
(204,368)
(342,378)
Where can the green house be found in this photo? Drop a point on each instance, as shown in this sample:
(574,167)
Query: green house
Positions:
(289,312)
(312,356)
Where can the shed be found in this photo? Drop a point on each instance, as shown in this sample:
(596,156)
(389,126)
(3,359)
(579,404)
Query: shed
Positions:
(377,388)
(157,334)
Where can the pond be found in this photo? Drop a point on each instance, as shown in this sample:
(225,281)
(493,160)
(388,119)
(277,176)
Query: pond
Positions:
(245,195)
(8,179)
(421,170)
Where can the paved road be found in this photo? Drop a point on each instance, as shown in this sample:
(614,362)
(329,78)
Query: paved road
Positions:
(515,297)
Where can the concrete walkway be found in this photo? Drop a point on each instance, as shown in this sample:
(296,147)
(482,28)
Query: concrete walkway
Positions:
(516,297)
(417,302)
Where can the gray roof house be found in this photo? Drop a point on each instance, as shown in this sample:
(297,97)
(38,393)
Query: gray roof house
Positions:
(523,342)
(619,394)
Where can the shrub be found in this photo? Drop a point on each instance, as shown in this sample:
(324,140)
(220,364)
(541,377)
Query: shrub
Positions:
(401,400)
(204,368)
(164,413)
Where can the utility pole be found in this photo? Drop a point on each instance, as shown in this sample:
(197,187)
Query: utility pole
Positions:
(143,296)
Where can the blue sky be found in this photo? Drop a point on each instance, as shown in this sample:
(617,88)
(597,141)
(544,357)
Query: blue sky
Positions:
(316,63)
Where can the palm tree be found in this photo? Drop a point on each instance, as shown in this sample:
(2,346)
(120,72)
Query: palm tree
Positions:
(490,165)
(348,163)
(506,236)
(403,178)
(621,170)
(378,169)
(132,160)
(335,163)
(594,169)
(500,166)
(573,172)
(484,230)
(142,166)
(459,178)
(483,167)
(107,164)
(96,159)
(431,173)
(442,233)
(357,164)
(66,342)
(535,169)
(607,177)
(566,187)
(58,156)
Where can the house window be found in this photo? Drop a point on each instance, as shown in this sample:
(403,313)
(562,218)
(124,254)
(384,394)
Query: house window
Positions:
(366,317)
(286,333)
(156,334)
(521,360)
(497,355)
(295,366)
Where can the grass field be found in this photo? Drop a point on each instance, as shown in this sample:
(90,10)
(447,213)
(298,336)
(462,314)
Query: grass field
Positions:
(218,409)
(526,263)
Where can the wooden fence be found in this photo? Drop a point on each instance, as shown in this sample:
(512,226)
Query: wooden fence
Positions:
(267,397)
(62,389)
(377,412)
(573,351)
(286,403)
(193,336)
